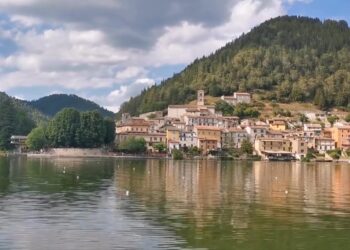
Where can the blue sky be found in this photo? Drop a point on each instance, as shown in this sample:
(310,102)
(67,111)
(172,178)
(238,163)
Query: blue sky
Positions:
(109,50)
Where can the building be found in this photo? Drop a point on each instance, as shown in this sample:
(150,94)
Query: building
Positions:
(299,147)
(278,124)
(238,97)
(209,138)
(256,131)
(341,136)
(323,144)
(133,125)
(274,149)
(188,139)
(312,129)
(233,138)
(151,139)
(173,138)
(19,141)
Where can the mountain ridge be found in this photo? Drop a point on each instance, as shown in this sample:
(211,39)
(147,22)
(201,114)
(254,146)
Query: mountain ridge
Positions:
(286,59)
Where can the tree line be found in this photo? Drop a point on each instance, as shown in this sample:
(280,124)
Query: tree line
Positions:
(73,129)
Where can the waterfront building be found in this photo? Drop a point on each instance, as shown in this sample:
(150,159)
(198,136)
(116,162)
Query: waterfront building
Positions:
(341,136)
(256,131)
(151,139)
(188,139)
(233,138)
(323,144)
(209,138)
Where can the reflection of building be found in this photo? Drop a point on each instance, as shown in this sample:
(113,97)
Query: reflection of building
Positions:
(151,139)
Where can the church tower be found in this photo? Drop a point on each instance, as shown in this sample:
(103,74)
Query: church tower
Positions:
(200,98)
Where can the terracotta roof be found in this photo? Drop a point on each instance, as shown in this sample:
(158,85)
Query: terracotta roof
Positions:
(208,128)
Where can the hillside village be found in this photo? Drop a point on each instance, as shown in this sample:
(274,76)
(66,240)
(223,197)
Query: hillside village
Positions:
(199,126)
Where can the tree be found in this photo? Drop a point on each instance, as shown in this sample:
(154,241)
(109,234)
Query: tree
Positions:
(109,131)
(160,147)
(133,145)
(347,118)
(7,124)
(332,119)
(92,131)
(62,130)
(303,118)
(246,147)
(37,139)
(177,154)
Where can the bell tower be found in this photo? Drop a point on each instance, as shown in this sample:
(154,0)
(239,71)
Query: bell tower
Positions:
(200,98)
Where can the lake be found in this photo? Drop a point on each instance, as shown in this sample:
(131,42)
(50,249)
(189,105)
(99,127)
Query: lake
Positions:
(164,204)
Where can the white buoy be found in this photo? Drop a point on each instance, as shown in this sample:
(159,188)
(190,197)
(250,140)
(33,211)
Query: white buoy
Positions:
(64,171)
(133,169)
(286,192)
(127,193)
(78,177)
(276,178)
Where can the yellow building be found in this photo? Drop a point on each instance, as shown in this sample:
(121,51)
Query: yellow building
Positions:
(173,134)
(209,138)
(278,124)
(341,136)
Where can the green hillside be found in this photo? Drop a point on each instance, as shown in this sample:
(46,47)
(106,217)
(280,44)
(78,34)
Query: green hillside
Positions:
(51,105)
(287,59)
(16,119)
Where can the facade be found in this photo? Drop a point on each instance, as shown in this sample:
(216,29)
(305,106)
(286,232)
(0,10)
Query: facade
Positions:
(314,129)
(188,139)
(233,138)
(278,124)
(134,125)
(255,132)
(209,138)
(270,148)
(299,147)
(322,144)
(238,97)
(151,139)
(341,136)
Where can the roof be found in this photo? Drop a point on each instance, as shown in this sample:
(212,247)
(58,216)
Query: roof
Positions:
(181,106)
(242,93)
(272,139)
(208,128)
(173,129)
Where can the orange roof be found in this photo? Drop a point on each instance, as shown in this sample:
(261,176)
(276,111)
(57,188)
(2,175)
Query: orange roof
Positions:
(208,128)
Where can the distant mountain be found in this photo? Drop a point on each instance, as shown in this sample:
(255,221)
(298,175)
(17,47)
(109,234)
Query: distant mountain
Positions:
(287,59)
(52,104)
(24,107)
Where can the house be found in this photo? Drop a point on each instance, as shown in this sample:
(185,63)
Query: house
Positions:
(209,138)
(273,149)
(299,147)
(256,131)
(341,136)
(173,134)
(188,139)
(233,138)
(151,139)
(238,97)
(323,144)
(313,129)
(278,124)
(19,141)
(138,125)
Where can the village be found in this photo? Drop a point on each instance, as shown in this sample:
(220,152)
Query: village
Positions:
(201,128)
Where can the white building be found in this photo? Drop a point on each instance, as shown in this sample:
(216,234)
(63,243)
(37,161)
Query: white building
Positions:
(233,138)
(188,139)
(313,129)
(322,145)
(256,132)
(238,97)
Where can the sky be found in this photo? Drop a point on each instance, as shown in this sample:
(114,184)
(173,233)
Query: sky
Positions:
(110,50)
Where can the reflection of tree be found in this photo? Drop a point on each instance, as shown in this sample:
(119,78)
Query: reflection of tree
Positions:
(4,174)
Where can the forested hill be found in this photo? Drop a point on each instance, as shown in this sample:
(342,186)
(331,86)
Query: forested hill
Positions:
(51,105)
(284,59)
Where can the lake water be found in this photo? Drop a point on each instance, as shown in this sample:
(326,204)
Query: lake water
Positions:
(159,204)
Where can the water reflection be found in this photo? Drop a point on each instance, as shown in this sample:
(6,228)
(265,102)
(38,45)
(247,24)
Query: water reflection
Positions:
(164,204)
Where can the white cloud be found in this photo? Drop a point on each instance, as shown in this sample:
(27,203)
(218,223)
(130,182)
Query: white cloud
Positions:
(111,44)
